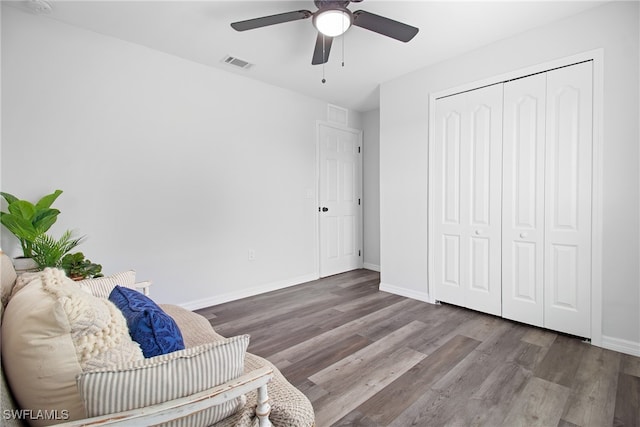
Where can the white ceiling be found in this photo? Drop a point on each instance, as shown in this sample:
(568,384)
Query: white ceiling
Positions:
(281,54)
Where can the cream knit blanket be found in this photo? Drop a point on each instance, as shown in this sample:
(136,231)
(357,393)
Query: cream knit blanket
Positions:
(97,327)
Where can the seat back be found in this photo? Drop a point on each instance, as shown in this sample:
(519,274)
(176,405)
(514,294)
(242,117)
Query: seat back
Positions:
(7,403)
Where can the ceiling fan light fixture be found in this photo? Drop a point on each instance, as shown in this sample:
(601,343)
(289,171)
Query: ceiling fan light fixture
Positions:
(332,22)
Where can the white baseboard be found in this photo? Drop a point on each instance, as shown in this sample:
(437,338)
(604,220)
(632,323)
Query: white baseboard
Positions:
(623,346)
(420,296)
(373,267)
(256,290)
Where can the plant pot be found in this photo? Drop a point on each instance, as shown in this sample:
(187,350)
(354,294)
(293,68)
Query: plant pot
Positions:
(24,265)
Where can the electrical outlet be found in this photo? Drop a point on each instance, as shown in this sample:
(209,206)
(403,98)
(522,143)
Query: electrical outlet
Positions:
(252,255)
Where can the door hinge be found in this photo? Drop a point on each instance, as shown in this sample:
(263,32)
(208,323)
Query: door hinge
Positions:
(358,202)
(358,149)
(359,252)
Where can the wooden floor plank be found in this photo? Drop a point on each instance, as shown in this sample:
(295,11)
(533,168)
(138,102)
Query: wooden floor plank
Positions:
(302,350)
(370,358)
(464,381)
(368,304)
(596,379)
(540,404)
(417,311)
(442,402)
(539,337)
(324,357)
(355,386)
(490,404)
(478,326)
(562,360)
(627,411)
(355,418)
(335,376)
(387,404)
(281,313)
(504,341)
(630,365)
(441,331)
(527,355)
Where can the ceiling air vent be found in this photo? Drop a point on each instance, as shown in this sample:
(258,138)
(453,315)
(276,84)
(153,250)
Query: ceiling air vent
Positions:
(237,62)
(39,7)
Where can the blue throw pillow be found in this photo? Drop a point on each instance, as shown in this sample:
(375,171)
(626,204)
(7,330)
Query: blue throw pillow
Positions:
(155,331)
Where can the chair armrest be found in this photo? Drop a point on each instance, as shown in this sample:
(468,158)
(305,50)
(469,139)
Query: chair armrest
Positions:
(177,408)
(143,287)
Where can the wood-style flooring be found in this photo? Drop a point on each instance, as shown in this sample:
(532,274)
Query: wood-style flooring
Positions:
(370,358)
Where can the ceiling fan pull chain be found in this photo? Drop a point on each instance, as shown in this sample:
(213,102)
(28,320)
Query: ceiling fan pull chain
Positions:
(343,36)
(323,60)
(343,50)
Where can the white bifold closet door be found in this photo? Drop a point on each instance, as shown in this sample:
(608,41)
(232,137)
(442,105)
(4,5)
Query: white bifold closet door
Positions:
(467,180)
(546,233)
(512,174)
(523,199)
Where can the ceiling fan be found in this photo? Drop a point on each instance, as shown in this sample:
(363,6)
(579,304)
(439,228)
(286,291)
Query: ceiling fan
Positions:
(332,19)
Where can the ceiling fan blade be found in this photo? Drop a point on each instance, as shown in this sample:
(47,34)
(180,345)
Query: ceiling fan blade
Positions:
(385,26)
(320,53)
(265,21)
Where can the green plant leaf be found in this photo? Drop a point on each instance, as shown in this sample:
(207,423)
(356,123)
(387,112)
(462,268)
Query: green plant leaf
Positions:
(10,198)
(44,219)
(20,227)
(49,252)
(77,266)
(23,209)
(48,200)
(27,221)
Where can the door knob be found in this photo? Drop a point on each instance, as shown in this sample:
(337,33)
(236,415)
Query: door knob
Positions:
(325,209)
(478,232)
(523,235)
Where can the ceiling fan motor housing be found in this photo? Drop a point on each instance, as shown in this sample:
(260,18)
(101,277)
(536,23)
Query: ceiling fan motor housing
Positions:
(331,4)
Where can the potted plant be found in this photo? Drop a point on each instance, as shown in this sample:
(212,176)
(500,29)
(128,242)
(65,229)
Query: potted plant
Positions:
(49,252)
(27,221)
(78,267)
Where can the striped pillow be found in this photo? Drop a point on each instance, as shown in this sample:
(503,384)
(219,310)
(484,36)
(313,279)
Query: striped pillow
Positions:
(169,376)
(102,286)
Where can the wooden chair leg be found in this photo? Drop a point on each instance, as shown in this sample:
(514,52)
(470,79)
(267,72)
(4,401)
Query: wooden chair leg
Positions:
(264,409)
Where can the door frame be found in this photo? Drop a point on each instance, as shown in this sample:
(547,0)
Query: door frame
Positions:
(360,226)
(597,56)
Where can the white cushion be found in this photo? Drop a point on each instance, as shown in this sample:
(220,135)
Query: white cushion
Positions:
(7,278)
(102,286)
(51,331)
(169,376)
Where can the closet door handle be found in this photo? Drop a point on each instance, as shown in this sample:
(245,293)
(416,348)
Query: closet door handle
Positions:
(523,235)
(478,232)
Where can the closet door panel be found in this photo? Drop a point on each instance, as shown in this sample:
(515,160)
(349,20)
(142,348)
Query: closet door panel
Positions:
(468,213)
(447,224)
(451,141)
(568,200)
(523,199)
(483,205)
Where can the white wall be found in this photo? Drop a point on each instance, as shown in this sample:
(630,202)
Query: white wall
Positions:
(170,167)
(371,188)
(403,152)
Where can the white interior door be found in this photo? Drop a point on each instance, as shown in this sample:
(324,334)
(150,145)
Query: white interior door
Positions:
(523,199)
(467,223)
(340,188)
(568,193)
